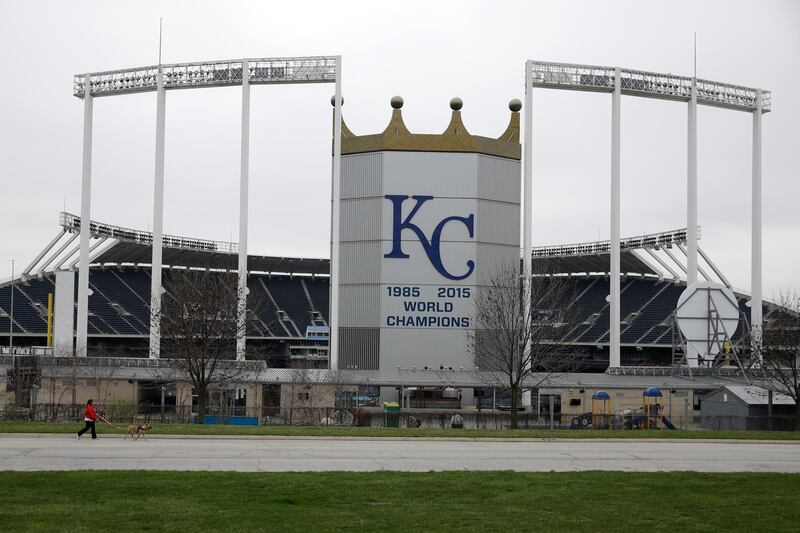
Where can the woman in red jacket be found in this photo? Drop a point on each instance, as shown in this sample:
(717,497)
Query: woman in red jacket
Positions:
(90,417)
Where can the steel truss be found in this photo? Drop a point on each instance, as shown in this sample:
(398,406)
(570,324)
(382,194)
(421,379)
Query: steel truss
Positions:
(223,73)
(654,240)
(647,84)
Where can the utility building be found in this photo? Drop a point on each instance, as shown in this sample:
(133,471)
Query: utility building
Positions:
(746,407)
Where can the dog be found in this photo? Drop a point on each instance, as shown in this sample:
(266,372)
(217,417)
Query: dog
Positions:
(138,431)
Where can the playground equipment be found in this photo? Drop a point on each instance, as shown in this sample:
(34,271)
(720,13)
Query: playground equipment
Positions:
(602,414)
(652,408)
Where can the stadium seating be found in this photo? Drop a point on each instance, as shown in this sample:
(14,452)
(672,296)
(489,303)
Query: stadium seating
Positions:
(319,289)
(290,298)
(118,306)
(26,317)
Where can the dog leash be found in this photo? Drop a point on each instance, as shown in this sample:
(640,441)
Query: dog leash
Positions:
(110,424)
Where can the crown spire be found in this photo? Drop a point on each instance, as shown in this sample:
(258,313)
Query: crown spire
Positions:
(455,138)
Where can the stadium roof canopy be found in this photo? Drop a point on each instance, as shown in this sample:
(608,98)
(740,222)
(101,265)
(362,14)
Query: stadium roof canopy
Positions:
(595,256)
(629,262)
(649,255)
(128,252)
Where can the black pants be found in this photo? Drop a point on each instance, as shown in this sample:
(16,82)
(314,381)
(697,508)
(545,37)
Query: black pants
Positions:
(89,425)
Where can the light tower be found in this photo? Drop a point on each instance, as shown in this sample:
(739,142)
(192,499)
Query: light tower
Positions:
(622,81)
(159,79)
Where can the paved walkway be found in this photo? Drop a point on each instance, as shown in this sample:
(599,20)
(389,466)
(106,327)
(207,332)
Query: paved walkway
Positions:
(254,455)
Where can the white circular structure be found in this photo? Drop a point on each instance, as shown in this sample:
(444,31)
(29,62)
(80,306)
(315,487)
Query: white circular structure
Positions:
(707,315)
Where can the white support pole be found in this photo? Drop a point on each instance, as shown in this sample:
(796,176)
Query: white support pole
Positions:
(241,329)
(333,348)
(527,205)
(614,351)
(158,221)
(92,254)
(43,253)
(11,314)
(698,268)
(674,259)
(67,257)
(691,189)
(713,266)
(755,300)
(663,263)
(86,217)
(527,183)
(58,252)
(691,205)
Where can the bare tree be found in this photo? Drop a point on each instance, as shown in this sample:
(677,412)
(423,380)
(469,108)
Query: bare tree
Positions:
(780,349)
(519,346)
(200,328)
(56,384)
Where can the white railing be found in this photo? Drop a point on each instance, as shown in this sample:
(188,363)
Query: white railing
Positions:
(654,240)
(317,69)
(72,224)
(648,84)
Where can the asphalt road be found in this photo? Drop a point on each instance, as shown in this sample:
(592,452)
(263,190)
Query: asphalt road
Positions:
(261,455)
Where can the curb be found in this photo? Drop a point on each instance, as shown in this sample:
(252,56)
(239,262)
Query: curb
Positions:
(407,439)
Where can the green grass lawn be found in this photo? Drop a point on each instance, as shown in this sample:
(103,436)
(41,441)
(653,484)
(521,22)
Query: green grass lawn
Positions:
(305,431)
(390,501)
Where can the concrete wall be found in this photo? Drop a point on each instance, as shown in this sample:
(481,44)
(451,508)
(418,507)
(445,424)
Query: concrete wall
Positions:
(64,313)
(5,397)
(105,391)
(300,396)
(102,391)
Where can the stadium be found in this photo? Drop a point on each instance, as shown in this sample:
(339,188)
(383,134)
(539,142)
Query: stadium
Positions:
(419,224)
(294,324)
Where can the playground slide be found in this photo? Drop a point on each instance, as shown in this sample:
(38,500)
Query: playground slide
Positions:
(667,423)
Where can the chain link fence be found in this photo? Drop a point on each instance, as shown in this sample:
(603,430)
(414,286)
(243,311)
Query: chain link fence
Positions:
(126,412)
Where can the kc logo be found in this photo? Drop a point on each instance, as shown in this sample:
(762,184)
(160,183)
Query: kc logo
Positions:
(432,247)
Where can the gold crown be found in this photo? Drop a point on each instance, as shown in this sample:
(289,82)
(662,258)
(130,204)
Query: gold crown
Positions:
(455,137)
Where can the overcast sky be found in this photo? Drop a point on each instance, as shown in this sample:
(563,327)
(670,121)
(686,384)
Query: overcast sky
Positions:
(426,52)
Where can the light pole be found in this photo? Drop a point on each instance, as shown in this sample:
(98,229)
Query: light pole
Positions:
(614,359)
(163,392)
(755,224)
(11,315)
(241,328)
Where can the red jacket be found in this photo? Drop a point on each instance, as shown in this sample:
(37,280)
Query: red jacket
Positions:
(90,413)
